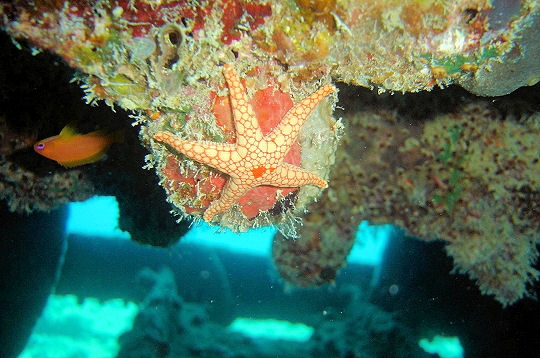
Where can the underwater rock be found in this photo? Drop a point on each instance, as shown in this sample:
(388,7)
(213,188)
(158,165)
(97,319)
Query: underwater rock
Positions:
(321,249)
(31,183)
(450,177)
(26,192)
(166,326)
(367,332)
(460,169)
(157,323)
(516,68)
(157,71)
(24,186)
(163,61)
(137,51)
(463,170)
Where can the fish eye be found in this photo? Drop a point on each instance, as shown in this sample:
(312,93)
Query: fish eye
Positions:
(40,146)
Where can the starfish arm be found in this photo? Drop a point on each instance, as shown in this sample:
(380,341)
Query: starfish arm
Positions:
(245,120)
(220,156)
(290,176)
(233,190)
(254,159)
(286,132)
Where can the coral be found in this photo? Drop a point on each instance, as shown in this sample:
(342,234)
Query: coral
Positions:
(32,183)
(128,47)
(469,176)
(517,67)
(446,177)
(168,71)
(258,162)
(321,249)
(26,192)
(163,59)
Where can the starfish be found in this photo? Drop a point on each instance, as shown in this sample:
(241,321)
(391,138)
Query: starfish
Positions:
(255,159)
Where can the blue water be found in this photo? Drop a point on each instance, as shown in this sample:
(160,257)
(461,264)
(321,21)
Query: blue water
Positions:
(98,216)
(91,327)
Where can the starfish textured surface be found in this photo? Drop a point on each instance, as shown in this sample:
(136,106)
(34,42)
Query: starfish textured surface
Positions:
(255,159)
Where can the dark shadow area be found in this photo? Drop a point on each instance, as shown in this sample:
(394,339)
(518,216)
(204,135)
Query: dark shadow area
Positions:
(31,254)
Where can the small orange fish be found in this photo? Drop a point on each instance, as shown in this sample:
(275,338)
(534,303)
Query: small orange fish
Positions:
(72,149)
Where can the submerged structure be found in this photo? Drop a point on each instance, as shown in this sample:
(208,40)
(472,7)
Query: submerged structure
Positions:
(195,74)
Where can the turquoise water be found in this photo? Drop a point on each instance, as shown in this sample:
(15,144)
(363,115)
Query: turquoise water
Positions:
(86,326)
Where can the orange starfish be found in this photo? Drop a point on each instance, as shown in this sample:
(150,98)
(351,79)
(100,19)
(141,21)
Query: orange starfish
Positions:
(255,159)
